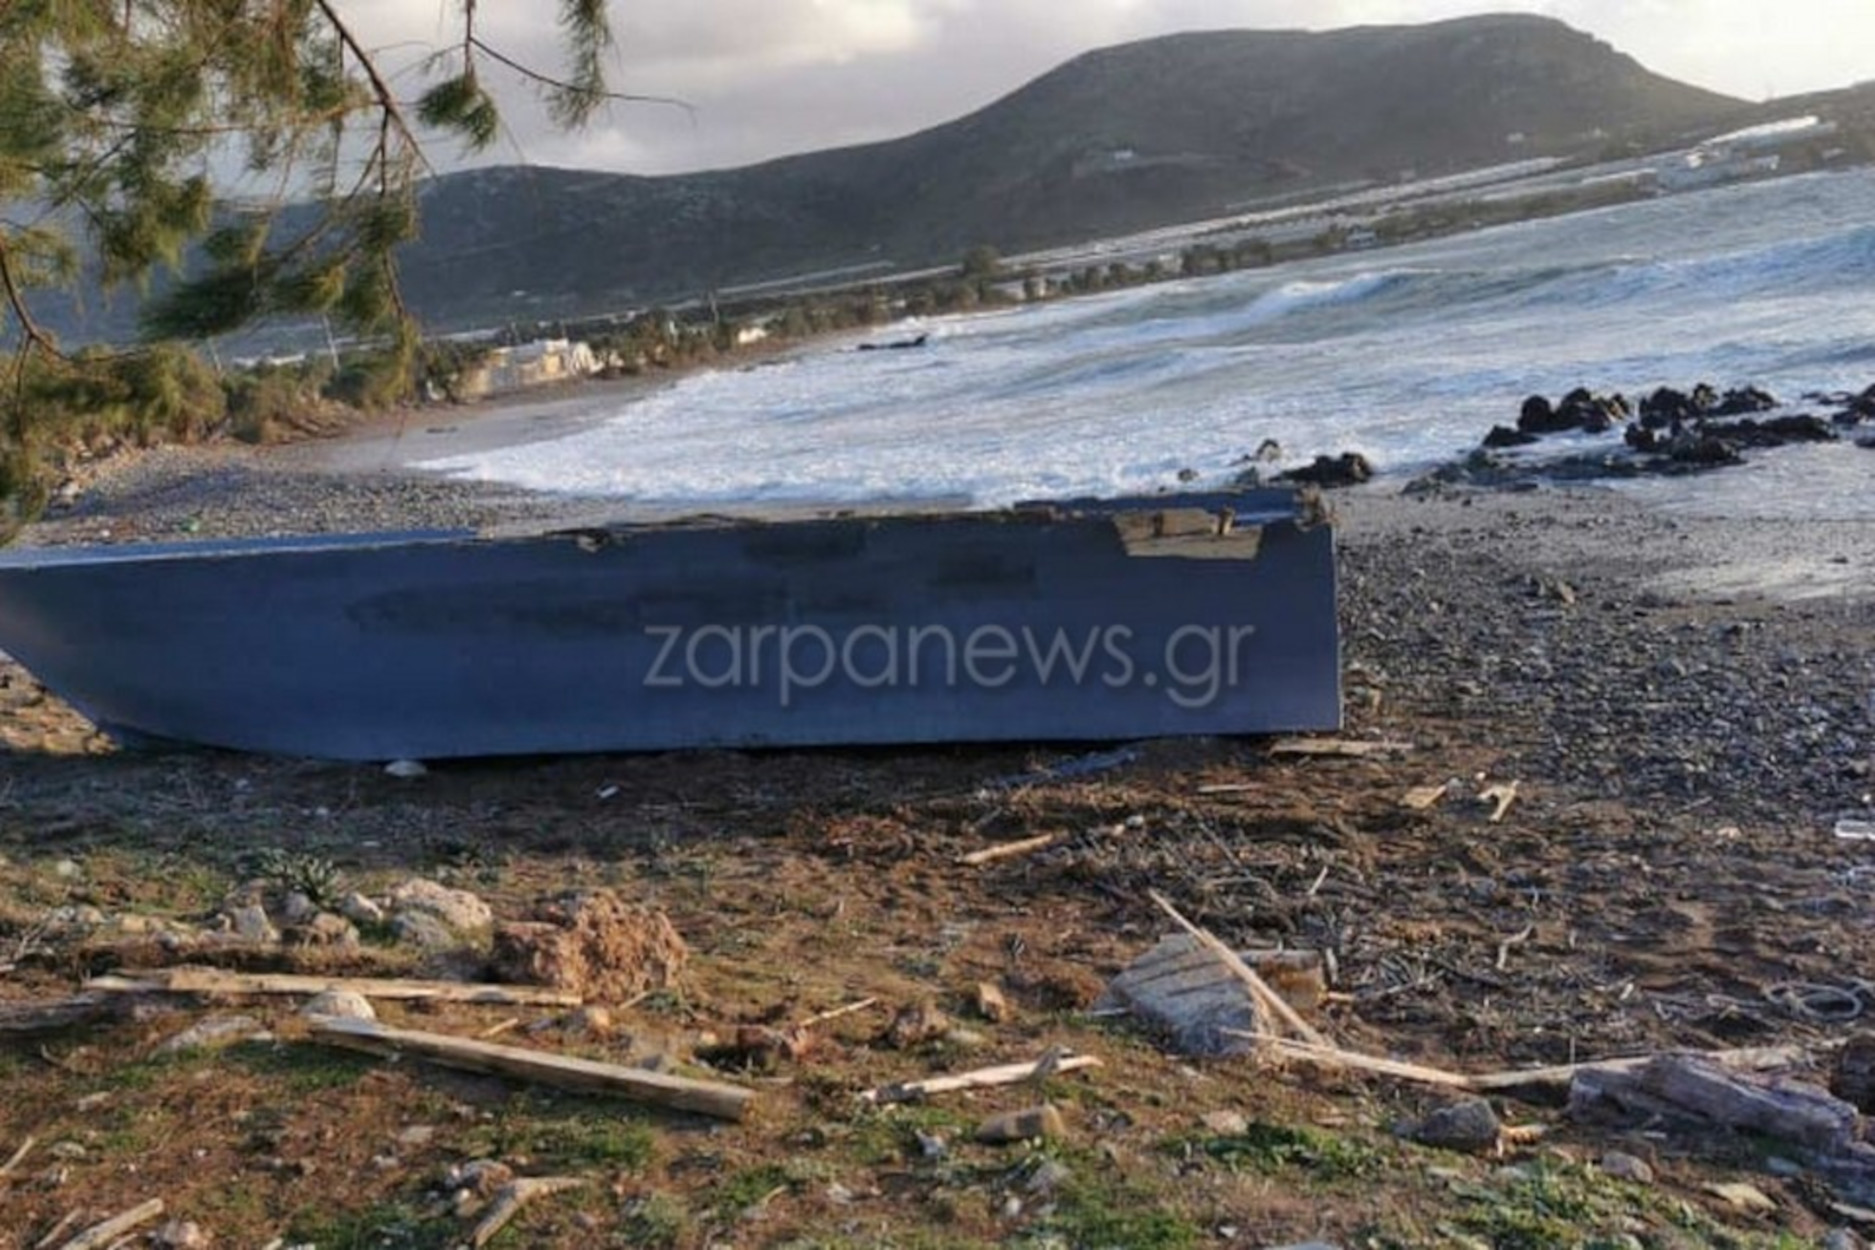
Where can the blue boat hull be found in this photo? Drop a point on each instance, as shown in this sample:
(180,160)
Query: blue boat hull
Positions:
(1092,620)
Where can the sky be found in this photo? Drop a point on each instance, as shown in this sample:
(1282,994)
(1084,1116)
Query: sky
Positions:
(765,78)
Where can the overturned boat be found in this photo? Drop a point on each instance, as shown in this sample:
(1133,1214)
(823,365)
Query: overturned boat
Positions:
(1085,619)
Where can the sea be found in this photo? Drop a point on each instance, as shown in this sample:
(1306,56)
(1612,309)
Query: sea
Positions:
(1408,355)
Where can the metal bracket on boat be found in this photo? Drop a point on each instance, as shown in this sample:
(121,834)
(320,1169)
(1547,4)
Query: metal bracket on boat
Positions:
(1188,534)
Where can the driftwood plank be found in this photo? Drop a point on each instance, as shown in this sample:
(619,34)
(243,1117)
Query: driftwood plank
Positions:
(50,1015)
(1552,1083)
(197,980)
(726,1102)
(100,1235)
(1346,748)
(1007,850)
(979,1078)
(515,1195)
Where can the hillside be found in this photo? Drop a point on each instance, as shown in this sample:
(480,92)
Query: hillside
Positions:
(1147,133)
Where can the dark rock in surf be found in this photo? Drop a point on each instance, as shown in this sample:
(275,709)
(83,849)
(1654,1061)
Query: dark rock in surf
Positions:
(1774,432)
(1350,468)
(1539,417)
(1503,436)
(1743,401)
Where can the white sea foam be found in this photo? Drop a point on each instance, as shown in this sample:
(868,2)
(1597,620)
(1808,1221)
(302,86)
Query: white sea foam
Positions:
(1408,356)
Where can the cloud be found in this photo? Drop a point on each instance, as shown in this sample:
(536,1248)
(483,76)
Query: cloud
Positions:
(769,77)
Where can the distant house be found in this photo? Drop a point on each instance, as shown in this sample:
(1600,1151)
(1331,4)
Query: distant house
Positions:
(508,369)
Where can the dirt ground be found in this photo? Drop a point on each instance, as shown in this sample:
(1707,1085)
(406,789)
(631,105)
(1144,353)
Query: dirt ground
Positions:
(1666,877)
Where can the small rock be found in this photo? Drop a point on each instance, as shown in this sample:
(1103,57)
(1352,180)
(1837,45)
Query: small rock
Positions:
(991,1003)
(1012,1207)
(325,929)
(1842,1239)
(416,1136)
(840,1195)
(342,1004)
(1049,1177)
(1470,1127)
(66,1151)
(422,930)
(1033,1123)
(298,908)
(181,1235)
(68,869)
(966,1039)
(1744,1197)
(931,1146)
(916,1025)
(250,924)
(590,1021)
(360,910)
(1225,1123)
(479,1176)
(406,769)
(459,909)
(1627,1167)
(1852,1077)
(215,1031)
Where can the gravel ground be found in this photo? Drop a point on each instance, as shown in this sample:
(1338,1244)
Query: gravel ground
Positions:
(1634,656)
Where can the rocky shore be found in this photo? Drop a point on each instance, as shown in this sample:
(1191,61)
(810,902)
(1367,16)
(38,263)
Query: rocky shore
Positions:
(1673,717)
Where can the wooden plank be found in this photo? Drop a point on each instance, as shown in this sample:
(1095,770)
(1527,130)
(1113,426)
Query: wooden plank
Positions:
(1346,748)
(1007,850)
(725,1102)
(100,1235)
(50,1015)
(1553,1082)
(980,1078)
(1335,1056)
(201,980)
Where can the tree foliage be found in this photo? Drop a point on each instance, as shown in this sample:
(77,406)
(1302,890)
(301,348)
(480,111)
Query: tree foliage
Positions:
(119,119)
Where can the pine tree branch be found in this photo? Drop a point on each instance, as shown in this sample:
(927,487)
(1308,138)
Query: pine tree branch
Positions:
(557,84)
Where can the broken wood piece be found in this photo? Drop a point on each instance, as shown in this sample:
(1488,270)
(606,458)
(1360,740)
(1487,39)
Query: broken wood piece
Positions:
(51,1015)
(1551,1084)
(1268,999)
(1007,850)
(1184,993)
(1500,796)
(512,1197)
(1331,1055)
(200,980)
(17,1157)
(1694,1088)
(727,1102)
(1516,939)
(980,1078)
(837,1012)
(1423,798)
(52,1234)
(1232,788)
(1350,748)
(100,1235)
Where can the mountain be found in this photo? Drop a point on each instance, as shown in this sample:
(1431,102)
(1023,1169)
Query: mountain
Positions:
(1150,133)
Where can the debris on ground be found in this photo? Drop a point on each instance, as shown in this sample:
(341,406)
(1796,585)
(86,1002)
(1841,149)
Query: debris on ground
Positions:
(595,944)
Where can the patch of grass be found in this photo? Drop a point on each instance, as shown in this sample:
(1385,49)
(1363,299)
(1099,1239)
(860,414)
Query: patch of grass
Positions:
(1272,1148)
(301,1069)
(566,1136)
(657,1221)
(1096,1217)
(388,1226)
(753,1186)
